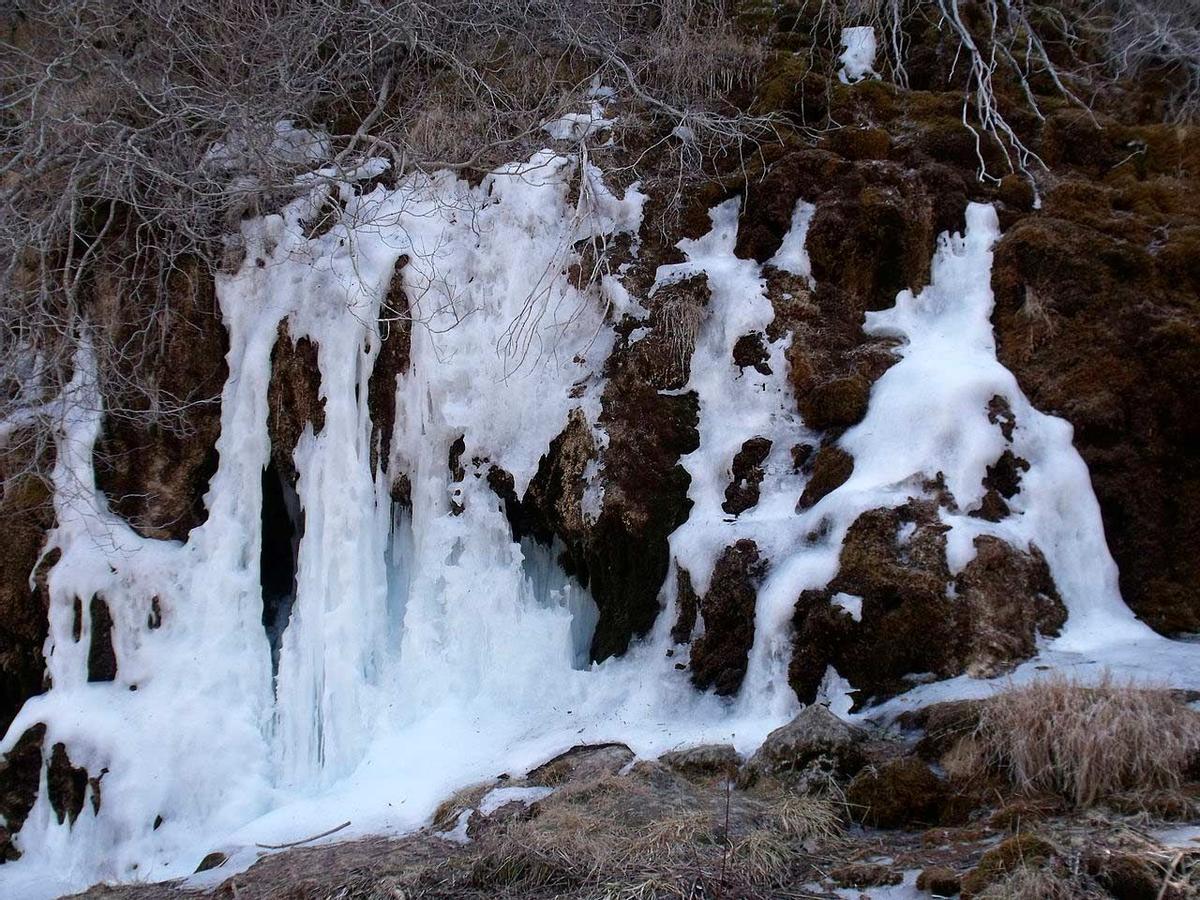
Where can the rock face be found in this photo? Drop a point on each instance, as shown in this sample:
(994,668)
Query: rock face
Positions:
(1097,315)
(582,762)
(155,469)
(26,514)
(20,771)
(915,617)
(721,654)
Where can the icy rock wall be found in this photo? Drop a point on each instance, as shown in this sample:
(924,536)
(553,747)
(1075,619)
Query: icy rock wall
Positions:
(426,647)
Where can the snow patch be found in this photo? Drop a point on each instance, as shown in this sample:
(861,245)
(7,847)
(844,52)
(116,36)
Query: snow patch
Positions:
(858,57)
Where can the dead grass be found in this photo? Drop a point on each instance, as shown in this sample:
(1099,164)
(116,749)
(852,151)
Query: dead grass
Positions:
(1085,743)
(1035,884)
(630,837)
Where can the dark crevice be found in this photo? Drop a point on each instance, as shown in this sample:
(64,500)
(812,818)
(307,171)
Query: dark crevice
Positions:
(282,528)
(102,657)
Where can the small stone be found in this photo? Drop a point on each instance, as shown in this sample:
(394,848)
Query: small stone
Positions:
(212,861)
(939,881)
(863,875)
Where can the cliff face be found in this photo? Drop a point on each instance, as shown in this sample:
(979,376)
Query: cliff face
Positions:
(825,426)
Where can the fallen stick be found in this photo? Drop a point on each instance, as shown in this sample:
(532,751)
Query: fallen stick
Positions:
(306,840)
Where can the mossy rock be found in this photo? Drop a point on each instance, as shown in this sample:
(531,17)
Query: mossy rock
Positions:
(948,140)
(898,793)
(865,875)
(861,143)
(1126,876)
(939,880)
(839,402)
(869,102)
(1019,851)
(790,85)
(832,467)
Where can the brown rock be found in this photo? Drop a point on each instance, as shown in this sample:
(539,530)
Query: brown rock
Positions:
(900,792)
(687,604)
(720,655)
(863,875)
(861,143)
(939,881)
(911,623)
(1126,876)
(102,657)
(582,762)
(293,397)
(837,403)
(831,468)
(1017,192)
(742,492)
(704,762)
(814,734)
(750,351)
(155,469)
(20,776)
(623,556)
(25,515)
(66,785)
(1007,598)
(944,725)
(214,860)
(1103,332)
(395,334)
(1022,850)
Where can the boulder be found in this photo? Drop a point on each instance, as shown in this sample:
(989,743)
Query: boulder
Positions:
(703,762)
(1019,851)
(900,792)
(939,881)
(815,737)
(580,763)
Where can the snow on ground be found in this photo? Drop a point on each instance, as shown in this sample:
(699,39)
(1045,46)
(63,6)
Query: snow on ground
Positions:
(426,649)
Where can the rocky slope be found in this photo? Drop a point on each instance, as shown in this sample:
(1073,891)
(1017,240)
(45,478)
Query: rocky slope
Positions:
(1095,276)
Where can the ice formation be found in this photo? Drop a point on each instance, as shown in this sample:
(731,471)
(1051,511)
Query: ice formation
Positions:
(858,57)
(426,648)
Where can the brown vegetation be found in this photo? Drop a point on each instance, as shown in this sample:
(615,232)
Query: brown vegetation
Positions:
(1084,743)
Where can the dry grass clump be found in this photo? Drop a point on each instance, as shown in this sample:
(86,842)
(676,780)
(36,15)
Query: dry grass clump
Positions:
(1035,884)
(804,818)
(584,832)
(634,836)
(445,817)
(1084,743)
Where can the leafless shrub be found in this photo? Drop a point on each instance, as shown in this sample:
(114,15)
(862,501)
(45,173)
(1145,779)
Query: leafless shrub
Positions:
(1083,742)
(135,135)
(1162,34)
